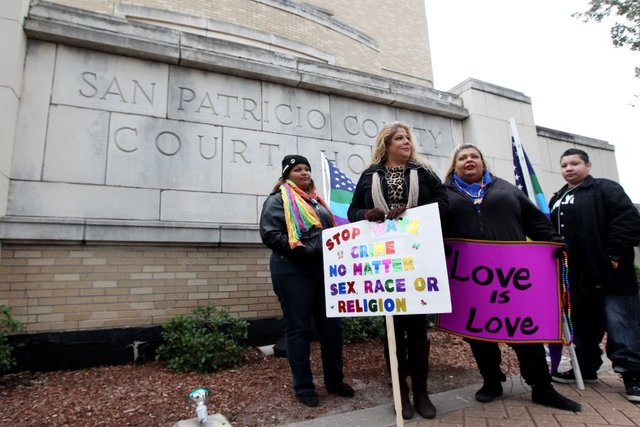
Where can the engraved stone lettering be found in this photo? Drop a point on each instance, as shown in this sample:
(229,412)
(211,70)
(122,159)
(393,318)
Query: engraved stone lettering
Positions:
(117,141)
(316,119)
(270,148)
(213,144)
(239,147)
(114,89)
(89,79)
(191,96)
(227,97)
(137,86)
(246,102)
(356,163)
(171,144)
(134,92)
(351,125)
(279,108)
(370,128)
(207,103)
(419,132)
(435,138)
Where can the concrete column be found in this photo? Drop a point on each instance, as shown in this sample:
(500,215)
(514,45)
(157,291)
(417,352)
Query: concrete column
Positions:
(12,52)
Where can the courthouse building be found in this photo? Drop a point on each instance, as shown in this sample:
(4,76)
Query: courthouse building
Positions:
(139,140)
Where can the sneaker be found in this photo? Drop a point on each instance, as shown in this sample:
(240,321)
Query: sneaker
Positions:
(632,386)
(569,377)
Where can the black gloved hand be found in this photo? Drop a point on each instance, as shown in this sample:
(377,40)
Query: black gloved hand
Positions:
(374,215)
(564,249)
(395,213)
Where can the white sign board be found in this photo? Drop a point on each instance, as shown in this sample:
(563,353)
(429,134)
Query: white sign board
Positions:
(390,268)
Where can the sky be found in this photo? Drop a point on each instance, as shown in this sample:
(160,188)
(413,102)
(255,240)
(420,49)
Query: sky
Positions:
(577,80)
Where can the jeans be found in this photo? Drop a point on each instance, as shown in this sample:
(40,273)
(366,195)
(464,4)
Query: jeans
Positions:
(300,290)
(619,316)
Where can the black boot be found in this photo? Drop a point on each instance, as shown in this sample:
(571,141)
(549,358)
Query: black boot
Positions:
(489,392)
(423,404)
(407,410)
(546,395)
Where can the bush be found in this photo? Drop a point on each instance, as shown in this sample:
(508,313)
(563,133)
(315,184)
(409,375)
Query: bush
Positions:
(208,341)
(362,329)
(7,325)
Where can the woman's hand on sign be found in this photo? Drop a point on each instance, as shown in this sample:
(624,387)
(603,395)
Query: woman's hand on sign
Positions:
(374,215)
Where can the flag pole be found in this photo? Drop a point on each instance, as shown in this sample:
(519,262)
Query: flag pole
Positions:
(531,193)
(325,180)
(523,163)
(572,353)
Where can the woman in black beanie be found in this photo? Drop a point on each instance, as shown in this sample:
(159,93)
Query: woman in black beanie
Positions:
(291,224)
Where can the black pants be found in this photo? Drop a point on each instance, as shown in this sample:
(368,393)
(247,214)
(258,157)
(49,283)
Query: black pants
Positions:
(531,357)
(412,350)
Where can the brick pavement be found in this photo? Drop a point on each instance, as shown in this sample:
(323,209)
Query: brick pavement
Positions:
(603,404)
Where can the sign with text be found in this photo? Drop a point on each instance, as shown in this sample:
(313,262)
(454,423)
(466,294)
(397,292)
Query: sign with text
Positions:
(389,268)
(504,291)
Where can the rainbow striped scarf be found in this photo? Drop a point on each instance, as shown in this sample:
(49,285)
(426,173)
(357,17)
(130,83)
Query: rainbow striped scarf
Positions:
(299,215)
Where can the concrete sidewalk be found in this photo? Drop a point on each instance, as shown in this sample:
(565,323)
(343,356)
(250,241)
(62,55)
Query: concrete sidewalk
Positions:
(603,404)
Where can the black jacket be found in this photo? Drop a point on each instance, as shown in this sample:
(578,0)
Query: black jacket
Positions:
(273,231)
(430,190)
(505,214)
(600,223)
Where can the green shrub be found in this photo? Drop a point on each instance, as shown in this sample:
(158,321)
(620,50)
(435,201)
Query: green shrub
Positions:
(208,341)
(361,329)
(7,325)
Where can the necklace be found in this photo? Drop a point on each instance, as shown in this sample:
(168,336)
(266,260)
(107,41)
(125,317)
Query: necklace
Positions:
(477,198)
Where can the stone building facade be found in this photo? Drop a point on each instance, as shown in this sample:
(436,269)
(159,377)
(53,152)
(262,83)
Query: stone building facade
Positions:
(140,141)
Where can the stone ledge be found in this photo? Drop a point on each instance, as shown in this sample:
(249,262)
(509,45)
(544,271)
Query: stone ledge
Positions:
(490,88)
(76,27)
(573,138)
(16,228)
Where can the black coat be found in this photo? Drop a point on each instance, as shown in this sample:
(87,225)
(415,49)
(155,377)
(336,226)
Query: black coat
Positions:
(273,231)
(430,190)
(599,223)
(505,214)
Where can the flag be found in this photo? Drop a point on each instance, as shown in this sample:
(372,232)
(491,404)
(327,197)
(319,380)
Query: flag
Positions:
(525,178)
(527,181)
(338,190)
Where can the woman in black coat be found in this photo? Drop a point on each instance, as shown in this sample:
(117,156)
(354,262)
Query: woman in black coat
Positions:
(398,179)
(291,224)
(484,207)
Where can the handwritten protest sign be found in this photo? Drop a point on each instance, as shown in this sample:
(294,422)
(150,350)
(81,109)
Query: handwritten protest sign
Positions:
(389,268)
(504,291)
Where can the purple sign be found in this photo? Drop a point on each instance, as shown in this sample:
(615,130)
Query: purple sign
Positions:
(503,291)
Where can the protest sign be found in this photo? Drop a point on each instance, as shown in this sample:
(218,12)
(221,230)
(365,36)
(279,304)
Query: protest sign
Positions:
(389,268)
(504,291)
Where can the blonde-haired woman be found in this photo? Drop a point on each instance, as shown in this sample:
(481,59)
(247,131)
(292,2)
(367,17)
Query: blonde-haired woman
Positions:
(396,180)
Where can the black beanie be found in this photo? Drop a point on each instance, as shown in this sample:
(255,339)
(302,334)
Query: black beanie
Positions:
(290,161)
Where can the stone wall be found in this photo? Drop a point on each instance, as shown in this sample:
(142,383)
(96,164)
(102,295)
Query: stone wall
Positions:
(388,39)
